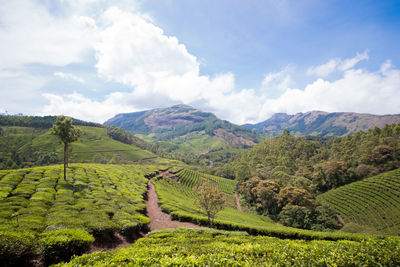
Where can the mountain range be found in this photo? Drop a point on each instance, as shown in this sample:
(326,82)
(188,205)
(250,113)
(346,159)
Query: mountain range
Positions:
(320,123)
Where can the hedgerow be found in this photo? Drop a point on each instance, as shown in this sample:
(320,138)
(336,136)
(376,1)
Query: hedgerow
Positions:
(203,247)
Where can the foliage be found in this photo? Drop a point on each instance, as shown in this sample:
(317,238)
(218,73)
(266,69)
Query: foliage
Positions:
(98,199)
(38,122)
(306,167)
(16,248)
(68,133)
(176,198)
(203,247)
(60,245)
(210,200)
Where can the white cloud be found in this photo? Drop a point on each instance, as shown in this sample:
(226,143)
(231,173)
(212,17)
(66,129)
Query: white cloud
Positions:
(134,51)
(69,76)
(324,69)
(337,64)
(278,80)
(358,91)
(130,49)
(30,34)
(351,62)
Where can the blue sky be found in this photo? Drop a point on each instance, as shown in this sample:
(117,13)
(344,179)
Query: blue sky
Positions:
(243,60)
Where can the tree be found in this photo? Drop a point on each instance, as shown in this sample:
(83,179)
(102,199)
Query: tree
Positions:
(68,133)
(210,199)
(267,196)
(294,196)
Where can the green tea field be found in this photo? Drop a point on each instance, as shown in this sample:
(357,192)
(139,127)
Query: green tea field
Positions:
(373,202)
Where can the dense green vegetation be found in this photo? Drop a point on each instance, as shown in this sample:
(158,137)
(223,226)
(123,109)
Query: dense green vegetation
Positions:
(373,202)
(45,122)
(37,203)
(176,198)
(204,247)
(302,168)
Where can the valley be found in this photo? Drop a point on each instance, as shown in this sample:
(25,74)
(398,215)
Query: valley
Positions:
(122,193)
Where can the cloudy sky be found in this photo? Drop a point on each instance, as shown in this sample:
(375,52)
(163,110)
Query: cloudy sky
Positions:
(242,60)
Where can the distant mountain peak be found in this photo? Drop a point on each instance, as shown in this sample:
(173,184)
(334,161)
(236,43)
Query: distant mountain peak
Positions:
(322,123)
(182,123)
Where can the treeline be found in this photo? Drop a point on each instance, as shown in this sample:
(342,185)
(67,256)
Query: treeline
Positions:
(300,168)
(39,121)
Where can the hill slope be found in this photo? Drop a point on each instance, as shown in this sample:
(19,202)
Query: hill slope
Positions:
(322,123)
(184,129)
(30,143)
(372,202)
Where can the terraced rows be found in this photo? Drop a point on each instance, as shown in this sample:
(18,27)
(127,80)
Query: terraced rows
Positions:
(94,197)
(373,202)
(191,178)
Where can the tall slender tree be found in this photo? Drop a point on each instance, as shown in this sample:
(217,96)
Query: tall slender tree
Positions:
(68,133)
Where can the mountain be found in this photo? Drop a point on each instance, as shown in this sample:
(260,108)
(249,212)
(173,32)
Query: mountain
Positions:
(184,129)
(322,123)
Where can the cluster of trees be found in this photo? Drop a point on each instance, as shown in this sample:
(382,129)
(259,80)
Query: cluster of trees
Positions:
(307,167)
(126,137)
(38,121)
(292,206)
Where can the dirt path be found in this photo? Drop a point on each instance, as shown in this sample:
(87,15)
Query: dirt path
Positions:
(160,219)
(238,206)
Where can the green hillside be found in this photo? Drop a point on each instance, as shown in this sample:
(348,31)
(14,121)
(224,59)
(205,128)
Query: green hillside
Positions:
(184,130)
(27,146)
(177,199)
(93,145)
(373,202)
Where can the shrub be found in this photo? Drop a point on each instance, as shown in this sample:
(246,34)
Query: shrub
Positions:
(61,245)
(16,248)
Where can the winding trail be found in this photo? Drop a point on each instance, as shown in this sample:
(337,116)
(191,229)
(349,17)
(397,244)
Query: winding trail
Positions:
(238,206)
(160,219)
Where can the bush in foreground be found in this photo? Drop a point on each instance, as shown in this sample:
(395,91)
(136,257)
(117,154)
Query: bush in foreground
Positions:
(60,245)
(203,247)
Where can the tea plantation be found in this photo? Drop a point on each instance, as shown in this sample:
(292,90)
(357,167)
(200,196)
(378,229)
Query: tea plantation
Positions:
(373,202)
(41,210)
(204,247)
(177,199)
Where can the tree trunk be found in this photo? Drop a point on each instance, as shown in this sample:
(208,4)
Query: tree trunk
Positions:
(65,159)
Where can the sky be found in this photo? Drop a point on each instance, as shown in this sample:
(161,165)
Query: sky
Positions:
(242,60)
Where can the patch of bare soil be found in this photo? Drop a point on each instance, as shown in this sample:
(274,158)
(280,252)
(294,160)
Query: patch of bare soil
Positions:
(114,241)
(160,219)
(168,174)
(238,206)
